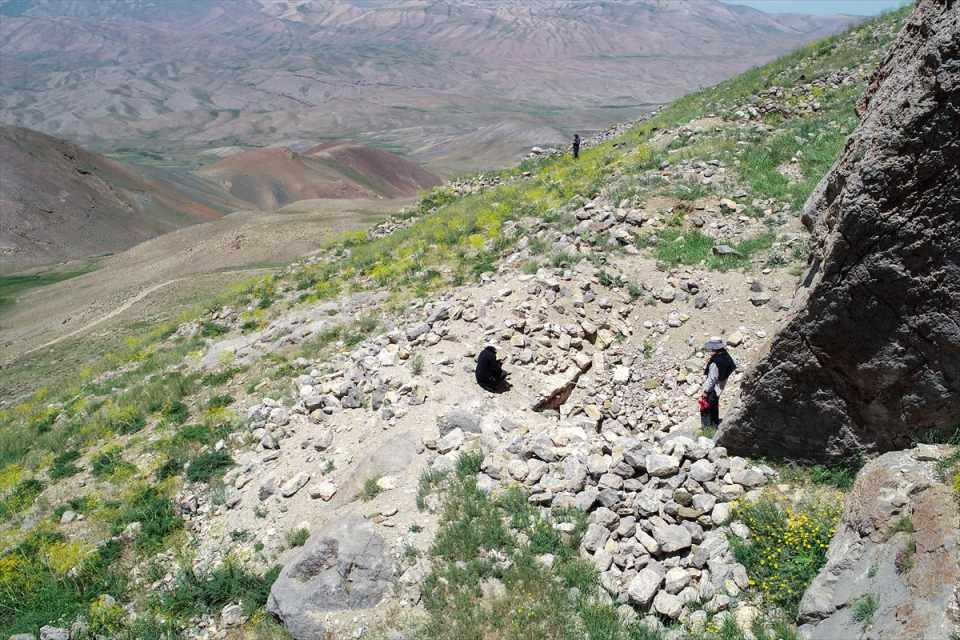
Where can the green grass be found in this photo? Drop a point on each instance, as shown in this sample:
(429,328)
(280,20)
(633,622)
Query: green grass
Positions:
(430,480)
(903,525)
(787,547)
(110,463)
(864,609)
(537,601)
(208,465)
(195,594)
(693,248)
(16,285)
(219,378)
(21,498)
(155,513)
(220,401)
(46,578)
(840,475)
(416,364)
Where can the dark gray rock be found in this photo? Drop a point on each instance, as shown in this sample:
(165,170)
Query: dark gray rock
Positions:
(345,566)
(871,355)
(912,576)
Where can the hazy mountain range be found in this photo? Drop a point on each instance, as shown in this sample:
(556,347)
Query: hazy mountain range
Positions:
(455,84)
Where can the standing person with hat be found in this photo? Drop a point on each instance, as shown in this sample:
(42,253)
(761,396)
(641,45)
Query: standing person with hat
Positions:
(576,146)
(719,367)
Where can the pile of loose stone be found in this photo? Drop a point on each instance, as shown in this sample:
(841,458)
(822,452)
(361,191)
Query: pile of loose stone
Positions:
(658,505)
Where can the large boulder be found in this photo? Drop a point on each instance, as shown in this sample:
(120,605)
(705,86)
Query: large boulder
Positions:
(344,566)
(871,354)
(898,548)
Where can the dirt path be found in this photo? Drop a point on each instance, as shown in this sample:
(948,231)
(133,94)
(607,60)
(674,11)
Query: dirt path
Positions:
(120,309)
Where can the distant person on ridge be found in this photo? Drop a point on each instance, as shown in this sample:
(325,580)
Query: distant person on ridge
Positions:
(490,375)
(576,146)
(719,367)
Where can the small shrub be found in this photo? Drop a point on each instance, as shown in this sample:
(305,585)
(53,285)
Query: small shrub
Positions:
(840,475)
(176,412)
(903,525)
(110,463)
(530,267)
(209,329)
(864,609)
(371,489)
(122,420)
(220,401)
(430,479)
(905,557)
(787,548)
(219,378)
(207,465)
(63,466)
(21,498)
(297,537)
(416,364)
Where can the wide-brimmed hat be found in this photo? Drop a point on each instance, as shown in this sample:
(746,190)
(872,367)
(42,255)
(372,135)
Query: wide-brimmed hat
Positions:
(714,344)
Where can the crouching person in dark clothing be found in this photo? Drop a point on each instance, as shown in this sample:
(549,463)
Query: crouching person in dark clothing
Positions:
(719,367)
(490,374)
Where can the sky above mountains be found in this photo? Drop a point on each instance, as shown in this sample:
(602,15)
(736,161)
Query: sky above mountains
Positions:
(824,7)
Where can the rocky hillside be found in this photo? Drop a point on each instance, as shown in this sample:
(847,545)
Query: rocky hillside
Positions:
(309,457)
(458,84)
(61,202)
(874,343)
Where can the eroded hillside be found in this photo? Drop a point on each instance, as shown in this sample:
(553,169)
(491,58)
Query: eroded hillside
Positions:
(326,420)
(460,85)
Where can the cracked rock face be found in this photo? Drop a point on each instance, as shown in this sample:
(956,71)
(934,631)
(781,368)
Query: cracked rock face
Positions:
(872,355)
(342,567)
(898,545)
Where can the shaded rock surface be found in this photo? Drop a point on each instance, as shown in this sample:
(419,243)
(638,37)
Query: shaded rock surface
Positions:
(911,571)
(344,566)
(873,349)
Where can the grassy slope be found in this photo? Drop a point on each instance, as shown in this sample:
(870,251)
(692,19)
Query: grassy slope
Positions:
(14,285)
(100,420)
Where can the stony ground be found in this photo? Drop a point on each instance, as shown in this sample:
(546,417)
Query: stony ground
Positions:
(601,413)
(348,409)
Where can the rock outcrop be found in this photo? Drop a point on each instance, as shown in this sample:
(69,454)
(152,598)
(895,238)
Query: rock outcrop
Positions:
(871,356)
(342,567)
(893,568)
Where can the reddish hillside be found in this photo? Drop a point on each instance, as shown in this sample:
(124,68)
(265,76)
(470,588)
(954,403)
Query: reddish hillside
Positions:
(390,175)
(272,178)
(60,202)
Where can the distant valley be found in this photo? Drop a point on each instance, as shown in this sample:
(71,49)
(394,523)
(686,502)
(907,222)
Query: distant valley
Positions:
(454,85)
(60,202)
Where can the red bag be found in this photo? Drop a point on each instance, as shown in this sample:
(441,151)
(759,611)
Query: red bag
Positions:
(704,403)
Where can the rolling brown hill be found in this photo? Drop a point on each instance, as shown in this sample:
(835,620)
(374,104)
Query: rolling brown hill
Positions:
(273,178)
(429,78)
(60,202)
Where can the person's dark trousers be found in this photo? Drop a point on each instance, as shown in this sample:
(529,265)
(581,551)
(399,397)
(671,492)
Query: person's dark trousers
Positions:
(710,417)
